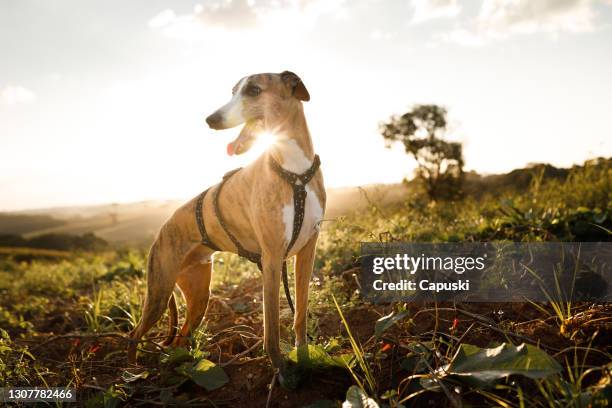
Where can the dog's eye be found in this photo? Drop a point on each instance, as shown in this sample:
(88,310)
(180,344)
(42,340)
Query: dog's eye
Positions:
(253,90)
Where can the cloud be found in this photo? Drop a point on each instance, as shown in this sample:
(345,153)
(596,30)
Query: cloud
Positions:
(236,14)
(240,15)
(163,19)
(15,94)
(501,19)
(429,9)
(530,16)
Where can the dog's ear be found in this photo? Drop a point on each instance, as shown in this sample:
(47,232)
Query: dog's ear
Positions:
(298,89)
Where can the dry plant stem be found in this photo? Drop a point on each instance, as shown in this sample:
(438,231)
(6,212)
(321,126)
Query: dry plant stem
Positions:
(487,323)
(432,372)
(93,387)
(437,320)
(251,360)
(465,333)
(249,334)
(245,352)
(274,378)
(543,321)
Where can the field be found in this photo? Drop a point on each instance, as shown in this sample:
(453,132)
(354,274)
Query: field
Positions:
(64,315)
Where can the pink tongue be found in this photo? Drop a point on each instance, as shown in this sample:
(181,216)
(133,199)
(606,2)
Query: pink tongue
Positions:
(230,149)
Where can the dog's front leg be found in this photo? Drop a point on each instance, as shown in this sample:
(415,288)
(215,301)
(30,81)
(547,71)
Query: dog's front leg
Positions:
(303,269)
(271,284)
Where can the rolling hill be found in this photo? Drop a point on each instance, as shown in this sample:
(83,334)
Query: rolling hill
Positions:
(138,222)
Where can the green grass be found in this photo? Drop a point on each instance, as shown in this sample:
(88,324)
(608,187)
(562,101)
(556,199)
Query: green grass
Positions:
(87,294)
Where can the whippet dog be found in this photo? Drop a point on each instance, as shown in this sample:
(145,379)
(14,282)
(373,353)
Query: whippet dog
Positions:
(258,206)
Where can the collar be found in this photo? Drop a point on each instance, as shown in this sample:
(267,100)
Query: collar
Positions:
(295,178)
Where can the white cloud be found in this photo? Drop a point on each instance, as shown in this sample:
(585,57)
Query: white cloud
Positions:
(237,14)
(429,9)
(15,94)
(163,19)
(529,16)
(501,19)
(241,15)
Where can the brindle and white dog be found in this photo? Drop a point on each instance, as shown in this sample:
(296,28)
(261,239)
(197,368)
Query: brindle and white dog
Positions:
(258,207)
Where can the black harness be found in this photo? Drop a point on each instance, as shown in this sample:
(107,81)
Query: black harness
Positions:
(298,184)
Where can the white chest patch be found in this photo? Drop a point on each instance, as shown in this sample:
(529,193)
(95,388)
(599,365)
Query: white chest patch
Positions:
(296,161)
(294,158)
(313,214)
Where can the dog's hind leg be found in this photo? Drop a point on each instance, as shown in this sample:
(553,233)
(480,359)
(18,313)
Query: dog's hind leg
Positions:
(194,282)
(162,267)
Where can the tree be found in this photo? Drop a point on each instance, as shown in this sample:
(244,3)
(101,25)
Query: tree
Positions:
(439,162)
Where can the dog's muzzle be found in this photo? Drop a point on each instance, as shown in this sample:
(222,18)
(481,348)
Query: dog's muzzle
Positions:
(215,120)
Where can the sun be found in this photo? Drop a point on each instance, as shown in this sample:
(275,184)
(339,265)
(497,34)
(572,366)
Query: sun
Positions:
(265,140)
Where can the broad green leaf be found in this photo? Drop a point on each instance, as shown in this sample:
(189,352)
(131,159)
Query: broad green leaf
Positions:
(387,321)
(168,379)
(205,373)
(308,358)
(430,384)
(357,398)
(176,356)
(483,366)
(313,357)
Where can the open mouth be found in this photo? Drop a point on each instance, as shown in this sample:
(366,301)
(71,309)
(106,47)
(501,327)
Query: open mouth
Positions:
(245,139)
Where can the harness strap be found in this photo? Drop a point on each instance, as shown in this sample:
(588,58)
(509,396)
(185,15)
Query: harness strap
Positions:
(206,241)
(295,178)
(298,184)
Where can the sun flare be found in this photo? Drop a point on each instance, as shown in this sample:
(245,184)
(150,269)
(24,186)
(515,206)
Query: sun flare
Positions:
(264,141)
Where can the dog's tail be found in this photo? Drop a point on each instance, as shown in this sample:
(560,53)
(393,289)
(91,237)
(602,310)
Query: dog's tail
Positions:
(159,288)
(172,320)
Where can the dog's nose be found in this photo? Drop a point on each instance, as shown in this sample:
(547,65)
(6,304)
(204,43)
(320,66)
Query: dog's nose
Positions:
(214,120)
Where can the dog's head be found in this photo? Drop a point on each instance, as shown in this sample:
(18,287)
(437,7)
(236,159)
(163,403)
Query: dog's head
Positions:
(257,100)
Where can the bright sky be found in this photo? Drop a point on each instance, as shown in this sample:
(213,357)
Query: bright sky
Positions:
(104,101)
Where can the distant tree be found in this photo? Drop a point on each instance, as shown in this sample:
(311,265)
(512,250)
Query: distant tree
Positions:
(439,162)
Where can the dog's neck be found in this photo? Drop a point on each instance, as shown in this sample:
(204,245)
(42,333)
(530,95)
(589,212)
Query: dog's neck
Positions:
(293,149)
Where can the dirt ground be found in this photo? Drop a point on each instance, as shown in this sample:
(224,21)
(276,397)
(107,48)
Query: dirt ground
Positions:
(234,327)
